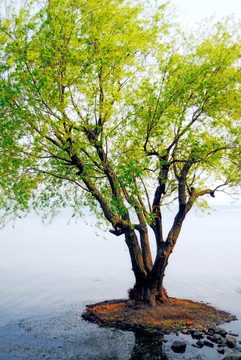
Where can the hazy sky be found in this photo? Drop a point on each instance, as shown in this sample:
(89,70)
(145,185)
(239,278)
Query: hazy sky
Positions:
(192,11)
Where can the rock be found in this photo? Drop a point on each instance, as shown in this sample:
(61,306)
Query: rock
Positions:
(211,338)
(220,331)
(185,331)
(178,346)
(218,337)
(199,344)
(222,343)
(231,341)
(209,333)
(208,343)
(220,350)
(198,335)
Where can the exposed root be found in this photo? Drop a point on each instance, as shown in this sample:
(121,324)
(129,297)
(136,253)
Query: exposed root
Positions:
(146,297)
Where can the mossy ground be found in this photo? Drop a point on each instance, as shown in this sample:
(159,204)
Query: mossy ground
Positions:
(176,314)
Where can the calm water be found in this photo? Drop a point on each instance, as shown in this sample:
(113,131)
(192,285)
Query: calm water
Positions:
(49,273)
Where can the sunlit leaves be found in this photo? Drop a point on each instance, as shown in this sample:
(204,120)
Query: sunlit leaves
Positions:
(104,84)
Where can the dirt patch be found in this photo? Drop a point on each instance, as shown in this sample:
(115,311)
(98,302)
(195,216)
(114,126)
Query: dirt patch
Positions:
(177,314)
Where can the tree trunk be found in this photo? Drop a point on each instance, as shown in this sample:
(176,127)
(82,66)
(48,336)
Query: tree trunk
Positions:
(148,288)
(148,293)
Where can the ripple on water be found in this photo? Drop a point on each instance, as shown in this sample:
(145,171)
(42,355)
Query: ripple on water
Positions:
(62,336)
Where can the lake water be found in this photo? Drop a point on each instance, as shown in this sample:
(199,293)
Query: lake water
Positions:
(49,273)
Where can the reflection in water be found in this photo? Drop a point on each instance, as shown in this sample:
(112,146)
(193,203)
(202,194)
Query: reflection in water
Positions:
(148,347)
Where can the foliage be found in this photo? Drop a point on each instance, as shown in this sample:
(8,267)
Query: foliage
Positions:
(104,109)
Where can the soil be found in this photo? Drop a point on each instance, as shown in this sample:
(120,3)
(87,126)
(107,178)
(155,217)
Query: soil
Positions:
(172,316)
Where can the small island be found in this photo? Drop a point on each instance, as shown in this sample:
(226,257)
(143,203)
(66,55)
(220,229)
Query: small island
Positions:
(171,316)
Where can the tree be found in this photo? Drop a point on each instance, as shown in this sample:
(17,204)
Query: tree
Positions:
(103,108)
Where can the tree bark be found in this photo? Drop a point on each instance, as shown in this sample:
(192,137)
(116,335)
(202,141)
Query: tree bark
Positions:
(147,292)
(148,288)
(138,266)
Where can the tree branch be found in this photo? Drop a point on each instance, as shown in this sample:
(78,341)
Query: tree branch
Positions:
(61,177)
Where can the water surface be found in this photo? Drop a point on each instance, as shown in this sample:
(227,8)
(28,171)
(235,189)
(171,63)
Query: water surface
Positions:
(49,273)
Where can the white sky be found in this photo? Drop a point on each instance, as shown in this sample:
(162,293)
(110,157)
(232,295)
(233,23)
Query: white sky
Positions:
(192,11)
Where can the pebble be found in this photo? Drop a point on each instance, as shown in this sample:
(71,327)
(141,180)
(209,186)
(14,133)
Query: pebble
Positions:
(198,335)
(208,343)
(178,346)
(231,341)
(200,343)
(210,337)
(208,333)
(220,350)
(220,331)
(218,337)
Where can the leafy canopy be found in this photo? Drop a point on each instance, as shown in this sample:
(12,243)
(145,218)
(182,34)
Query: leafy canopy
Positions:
(106,103)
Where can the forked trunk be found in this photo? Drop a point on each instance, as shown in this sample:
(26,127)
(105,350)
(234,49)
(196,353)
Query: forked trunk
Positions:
(148,287)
